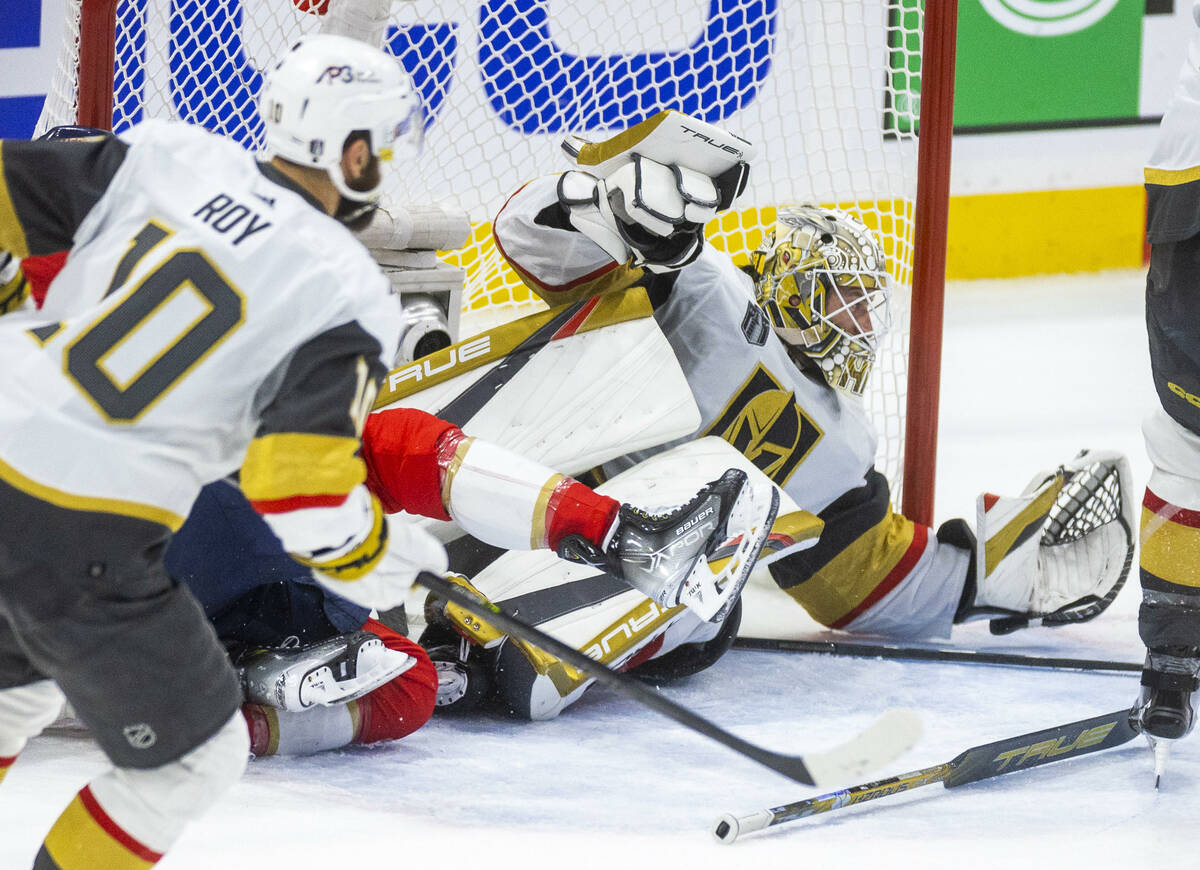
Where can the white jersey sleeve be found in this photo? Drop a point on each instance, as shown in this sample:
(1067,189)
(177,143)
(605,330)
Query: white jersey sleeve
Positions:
(208,318)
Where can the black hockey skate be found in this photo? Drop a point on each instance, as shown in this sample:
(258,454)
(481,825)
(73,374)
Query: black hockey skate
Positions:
(1164,709)
(663,556)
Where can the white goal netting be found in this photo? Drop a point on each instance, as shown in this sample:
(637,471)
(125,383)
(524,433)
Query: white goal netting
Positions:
(826,90)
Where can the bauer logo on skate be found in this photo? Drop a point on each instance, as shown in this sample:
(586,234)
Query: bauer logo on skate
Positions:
(686,527)
(1053,748)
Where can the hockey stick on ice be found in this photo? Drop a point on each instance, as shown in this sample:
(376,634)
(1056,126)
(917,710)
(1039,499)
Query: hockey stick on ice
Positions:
(892,734)
(1010,755)
(886,651)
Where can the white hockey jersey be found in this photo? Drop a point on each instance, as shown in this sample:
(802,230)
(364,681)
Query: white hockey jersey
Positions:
(873,569)
(812,441)
(208,318)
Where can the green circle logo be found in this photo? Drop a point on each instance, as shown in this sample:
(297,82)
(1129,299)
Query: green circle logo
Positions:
(1047,17)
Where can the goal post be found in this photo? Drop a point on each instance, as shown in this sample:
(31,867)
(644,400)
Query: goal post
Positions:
(829,92)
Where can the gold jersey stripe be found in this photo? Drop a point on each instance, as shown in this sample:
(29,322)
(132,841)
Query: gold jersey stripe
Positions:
(1171,177)
(612,280)
(1170,551)
(78,840)
(70,501)
(295,464)
(845,581)
(12,234)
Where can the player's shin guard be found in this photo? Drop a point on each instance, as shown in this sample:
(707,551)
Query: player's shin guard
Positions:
(126,819)
(24,712)
(516,503)
(1169,617)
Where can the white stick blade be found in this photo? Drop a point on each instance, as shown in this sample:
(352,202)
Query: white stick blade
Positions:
(892,734)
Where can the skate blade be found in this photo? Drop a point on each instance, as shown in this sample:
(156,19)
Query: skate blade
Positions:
(321,688)
(1161,747)
(712,588)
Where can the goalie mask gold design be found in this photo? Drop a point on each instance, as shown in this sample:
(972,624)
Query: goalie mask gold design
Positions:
(823,284)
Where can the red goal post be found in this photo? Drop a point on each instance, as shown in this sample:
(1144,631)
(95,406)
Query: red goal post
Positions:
(829,92)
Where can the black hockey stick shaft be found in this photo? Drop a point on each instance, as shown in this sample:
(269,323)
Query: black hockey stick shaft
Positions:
(791,766)
(1002,757)
(888,651)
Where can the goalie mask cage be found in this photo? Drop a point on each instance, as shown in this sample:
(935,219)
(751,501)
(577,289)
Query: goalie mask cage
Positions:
(828,91)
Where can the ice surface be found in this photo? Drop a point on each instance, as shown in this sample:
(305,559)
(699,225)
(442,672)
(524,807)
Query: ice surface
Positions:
(1035,370)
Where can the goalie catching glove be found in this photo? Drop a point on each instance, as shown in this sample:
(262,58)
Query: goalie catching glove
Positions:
(645,194)
(1060,552)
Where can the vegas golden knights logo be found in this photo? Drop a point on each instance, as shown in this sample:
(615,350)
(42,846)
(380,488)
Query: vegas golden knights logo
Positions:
(766,426)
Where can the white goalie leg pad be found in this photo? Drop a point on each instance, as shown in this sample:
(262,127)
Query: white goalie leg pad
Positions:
(154,805)
(24,712)
(1064,547)
(500,497)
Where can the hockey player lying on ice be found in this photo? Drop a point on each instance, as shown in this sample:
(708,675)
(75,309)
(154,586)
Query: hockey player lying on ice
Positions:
(777,357)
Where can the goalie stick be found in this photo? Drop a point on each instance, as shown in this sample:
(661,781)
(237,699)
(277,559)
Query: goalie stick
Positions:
(893,733)
(1010,755)
(887,651)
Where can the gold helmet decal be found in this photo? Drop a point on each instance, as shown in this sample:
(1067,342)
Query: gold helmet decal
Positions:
(823,284)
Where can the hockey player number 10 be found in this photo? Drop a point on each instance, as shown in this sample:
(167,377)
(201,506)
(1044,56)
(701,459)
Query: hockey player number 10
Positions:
(124,369)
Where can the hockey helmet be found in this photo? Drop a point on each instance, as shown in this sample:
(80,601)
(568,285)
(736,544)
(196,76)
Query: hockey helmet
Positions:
(823,283)
(328,87)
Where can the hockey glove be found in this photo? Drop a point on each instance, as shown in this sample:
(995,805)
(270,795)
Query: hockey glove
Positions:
(1061,551)
(407,549)
(647,211)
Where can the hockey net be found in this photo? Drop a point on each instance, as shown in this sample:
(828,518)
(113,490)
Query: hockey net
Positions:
(827,91)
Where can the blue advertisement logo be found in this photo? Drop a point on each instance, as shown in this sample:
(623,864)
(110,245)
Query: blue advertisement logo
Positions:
(548,90)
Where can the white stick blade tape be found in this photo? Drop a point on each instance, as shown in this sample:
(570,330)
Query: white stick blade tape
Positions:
(893,734)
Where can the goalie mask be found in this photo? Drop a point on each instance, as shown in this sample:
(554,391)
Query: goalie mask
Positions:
(823,283)
(328,88)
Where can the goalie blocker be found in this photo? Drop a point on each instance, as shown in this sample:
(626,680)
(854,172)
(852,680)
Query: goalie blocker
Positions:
(1059,553)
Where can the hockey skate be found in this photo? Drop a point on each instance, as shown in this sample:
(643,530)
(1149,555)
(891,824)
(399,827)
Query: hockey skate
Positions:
(331,672)
(459,643)
(1164,708)
(666,556)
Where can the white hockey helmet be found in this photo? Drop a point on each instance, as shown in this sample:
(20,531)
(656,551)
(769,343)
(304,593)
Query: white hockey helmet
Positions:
(822,281)
(328,87)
